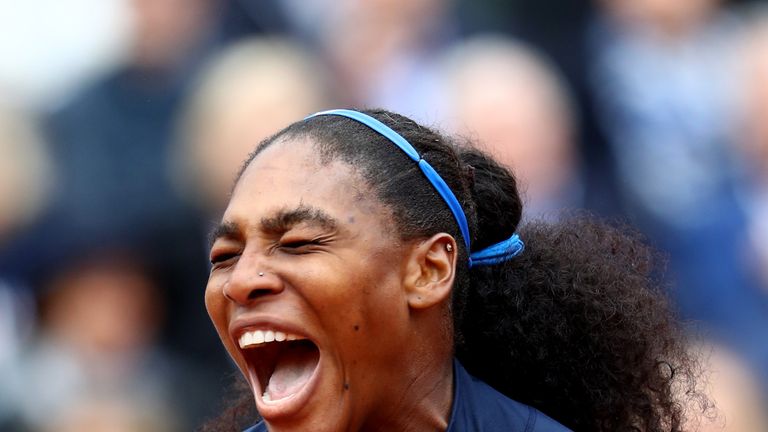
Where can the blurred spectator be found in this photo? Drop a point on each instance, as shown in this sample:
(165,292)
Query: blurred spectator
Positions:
(25,177)
(248,92)
(381,52)
(512,101)
(663,78)
(557,28)
(752,144)
(663,75)
(101,314)
(112,144)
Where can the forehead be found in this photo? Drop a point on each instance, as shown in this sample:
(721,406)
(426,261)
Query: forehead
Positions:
(290,174)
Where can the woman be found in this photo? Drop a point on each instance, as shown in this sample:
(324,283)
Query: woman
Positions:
(364,261)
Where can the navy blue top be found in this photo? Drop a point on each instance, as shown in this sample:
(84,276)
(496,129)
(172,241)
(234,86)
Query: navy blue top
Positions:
(478,407)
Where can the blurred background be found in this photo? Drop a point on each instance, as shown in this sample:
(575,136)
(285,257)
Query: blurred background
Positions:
(123,123)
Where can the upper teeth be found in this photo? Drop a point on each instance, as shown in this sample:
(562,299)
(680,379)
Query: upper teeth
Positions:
(258,337)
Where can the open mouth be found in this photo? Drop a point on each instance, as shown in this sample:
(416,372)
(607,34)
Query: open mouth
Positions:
(283,364)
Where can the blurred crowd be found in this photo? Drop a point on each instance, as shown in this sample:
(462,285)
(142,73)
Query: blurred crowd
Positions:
(124,122)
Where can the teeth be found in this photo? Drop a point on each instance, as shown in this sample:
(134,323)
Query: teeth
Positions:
(258,337)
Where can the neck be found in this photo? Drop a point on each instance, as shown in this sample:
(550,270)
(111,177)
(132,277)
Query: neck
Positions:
(424,395)
(425,404)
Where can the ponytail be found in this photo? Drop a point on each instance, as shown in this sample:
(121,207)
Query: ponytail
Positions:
(575,326)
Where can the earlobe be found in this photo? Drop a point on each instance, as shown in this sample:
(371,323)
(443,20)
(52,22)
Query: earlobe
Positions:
(431,272)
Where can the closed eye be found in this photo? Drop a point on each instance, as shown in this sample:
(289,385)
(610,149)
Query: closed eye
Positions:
(300,246)
(219,259)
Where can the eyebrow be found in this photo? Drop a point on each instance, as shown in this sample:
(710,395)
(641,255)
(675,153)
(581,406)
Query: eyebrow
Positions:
(283,220)
(288,218)
(223,230)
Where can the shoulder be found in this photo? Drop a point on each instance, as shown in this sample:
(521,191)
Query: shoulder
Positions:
(540,422)
(477,406)
(258,427)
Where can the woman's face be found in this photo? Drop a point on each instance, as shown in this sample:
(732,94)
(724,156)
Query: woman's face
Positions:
(305,252)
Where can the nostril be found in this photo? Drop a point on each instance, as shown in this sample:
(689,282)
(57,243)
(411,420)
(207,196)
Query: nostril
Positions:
(265,289)
(247,286)
(253,294)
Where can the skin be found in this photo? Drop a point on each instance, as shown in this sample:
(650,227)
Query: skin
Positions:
(377,308)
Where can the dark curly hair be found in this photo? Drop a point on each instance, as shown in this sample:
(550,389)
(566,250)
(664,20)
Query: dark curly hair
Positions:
(576,326)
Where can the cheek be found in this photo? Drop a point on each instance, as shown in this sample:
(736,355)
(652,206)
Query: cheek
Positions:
(216,305)
(218,310)
(366,305)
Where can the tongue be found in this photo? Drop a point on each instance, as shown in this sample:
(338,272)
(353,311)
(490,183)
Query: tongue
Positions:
(293,370)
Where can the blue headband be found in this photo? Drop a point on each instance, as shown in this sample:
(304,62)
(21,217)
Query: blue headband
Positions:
(493,254)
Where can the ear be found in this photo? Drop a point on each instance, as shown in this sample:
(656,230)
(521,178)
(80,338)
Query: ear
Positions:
(430,271)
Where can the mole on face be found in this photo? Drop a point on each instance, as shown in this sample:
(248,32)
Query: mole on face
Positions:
(351,219)
(357,327)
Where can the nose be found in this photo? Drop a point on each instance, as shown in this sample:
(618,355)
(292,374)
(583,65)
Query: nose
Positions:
(251,280)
